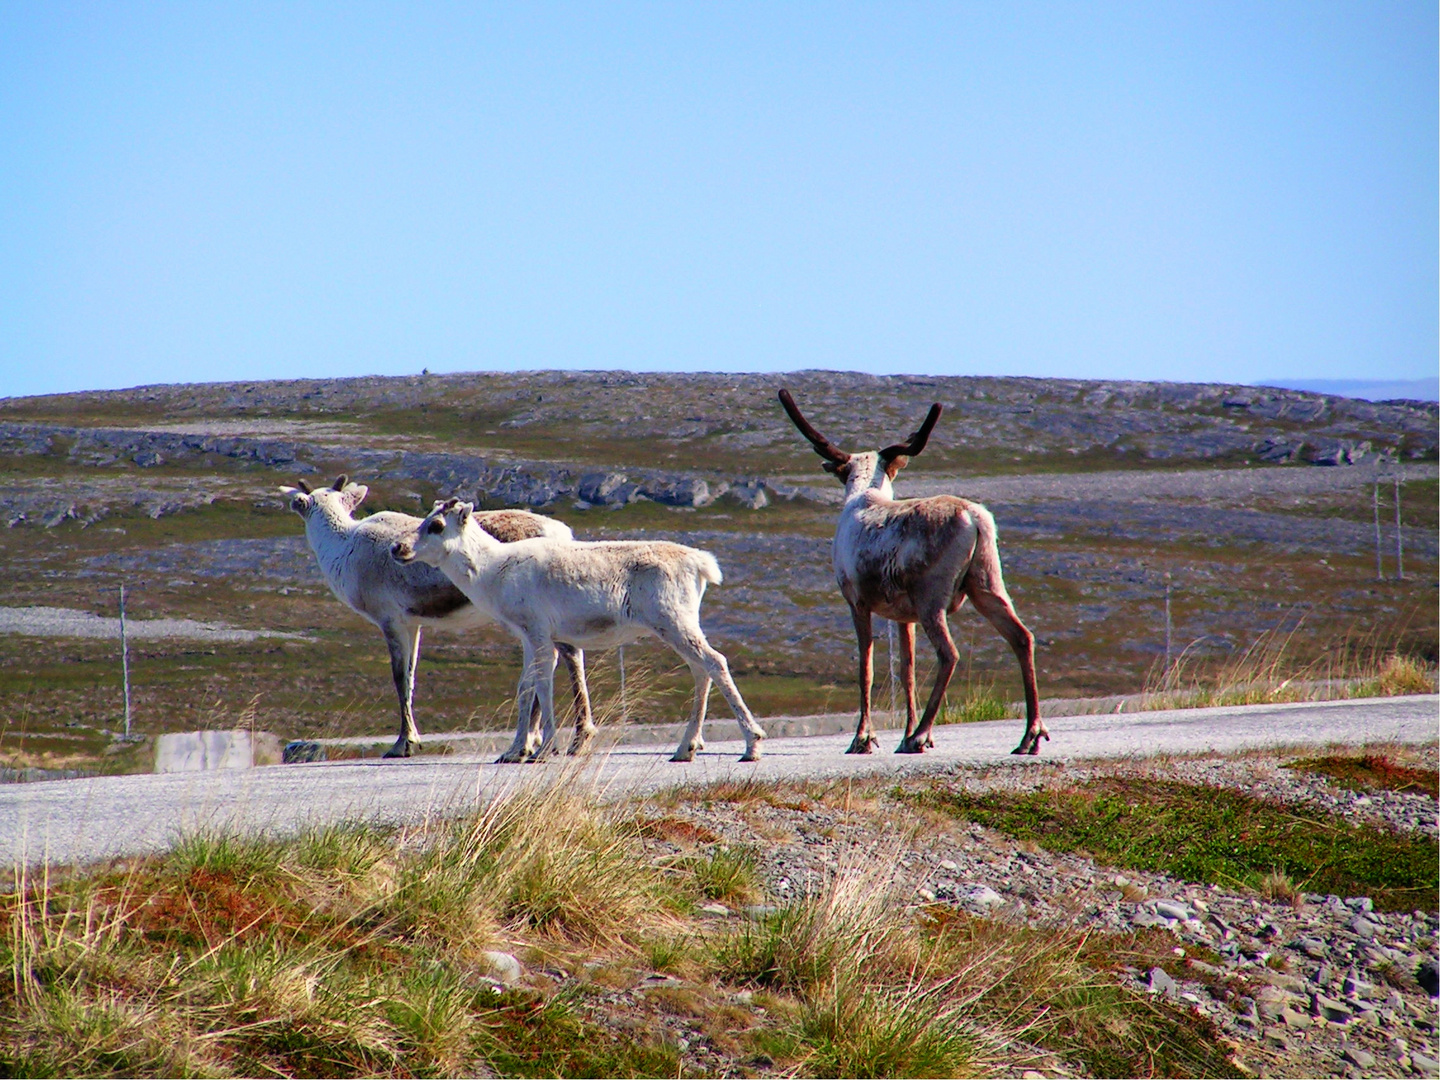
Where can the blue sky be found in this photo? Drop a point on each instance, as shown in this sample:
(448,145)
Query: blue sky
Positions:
(1208,191)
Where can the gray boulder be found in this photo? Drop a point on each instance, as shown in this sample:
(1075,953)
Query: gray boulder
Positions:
(604,489)
(752,496)
(686,491)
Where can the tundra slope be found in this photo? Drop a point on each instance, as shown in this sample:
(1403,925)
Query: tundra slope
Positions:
(586,594)
(354,556)
(533,438)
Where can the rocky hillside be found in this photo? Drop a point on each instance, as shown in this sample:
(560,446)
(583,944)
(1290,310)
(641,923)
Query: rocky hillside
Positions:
(538,439)
(1255,506)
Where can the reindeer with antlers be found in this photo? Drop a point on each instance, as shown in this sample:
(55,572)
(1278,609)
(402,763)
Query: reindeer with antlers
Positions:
(916,560)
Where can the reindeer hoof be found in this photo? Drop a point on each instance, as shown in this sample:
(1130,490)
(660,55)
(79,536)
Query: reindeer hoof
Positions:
(911,746)
(684,755)
(510,757)
(753,754)
(1030,744)
(863,746)
(402,748)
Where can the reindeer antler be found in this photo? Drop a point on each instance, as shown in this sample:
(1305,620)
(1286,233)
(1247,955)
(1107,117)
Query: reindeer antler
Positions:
(303,486)
(341,481)
(913,445)
(823,446)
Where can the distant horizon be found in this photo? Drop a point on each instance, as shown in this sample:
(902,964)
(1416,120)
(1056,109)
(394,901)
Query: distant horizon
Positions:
(1362,389)
(1365,389)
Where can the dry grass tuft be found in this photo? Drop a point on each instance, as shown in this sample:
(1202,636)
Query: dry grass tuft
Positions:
(1266,673)
(351,951)
(1277,885)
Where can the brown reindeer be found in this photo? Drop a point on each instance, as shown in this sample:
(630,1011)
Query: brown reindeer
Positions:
(916,560)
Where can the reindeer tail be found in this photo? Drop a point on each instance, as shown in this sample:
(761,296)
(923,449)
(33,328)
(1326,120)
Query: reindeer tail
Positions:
(707,569)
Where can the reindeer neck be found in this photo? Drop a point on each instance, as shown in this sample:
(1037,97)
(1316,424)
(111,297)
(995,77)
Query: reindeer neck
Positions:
(330,518)
(867,481)
(476,549)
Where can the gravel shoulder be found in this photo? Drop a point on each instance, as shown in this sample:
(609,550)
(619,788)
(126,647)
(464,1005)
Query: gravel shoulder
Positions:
(1321,987)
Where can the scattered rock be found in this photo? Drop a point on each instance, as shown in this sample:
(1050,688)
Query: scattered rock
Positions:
(981,896)
(1336,1012)
(1361,1059)
(1424,1064)
(1364,927)
(502,967)
(601,489)
(750,496)
(1161,983)
(1428,976)
(1312,947)
(301,751)
(1276,1037)
(1293,1019)
(715,911)
(1171,910)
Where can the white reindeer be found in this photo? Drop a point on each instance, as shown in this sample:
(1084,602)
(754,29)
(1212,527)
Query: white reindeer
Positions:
(916,560)
(589,595)
(354,556)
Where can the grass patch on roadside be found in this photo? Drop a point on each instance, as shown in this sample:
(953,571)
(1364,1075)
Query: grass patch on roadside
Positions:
(1212,835)
(354,950)
(1268,672)
(973,708)
(869,989)
(347,951)
(1370,772)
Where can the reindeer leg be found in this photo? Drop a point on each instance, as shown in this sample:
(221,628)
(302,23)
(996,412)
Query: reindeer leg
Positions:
(585,729)
(526,706)
(544,668)
(865,740)
(692,738)
(938,631)
(403,642)
(906,633)
(997,608)
(704,659)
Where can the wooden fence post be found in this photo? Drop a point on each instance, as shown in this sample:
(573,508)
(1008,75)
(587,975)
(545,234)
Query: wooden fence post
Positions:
(125,660)
(1399,542)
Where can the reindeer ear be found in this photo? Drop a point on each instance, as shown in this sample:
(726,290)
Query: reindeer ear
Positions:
(354,495)
(466,509)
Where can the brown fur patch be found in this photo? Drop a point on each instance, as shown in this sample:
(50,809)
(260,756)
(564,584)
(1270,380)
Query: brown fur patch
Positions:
(508,526)
(439,602)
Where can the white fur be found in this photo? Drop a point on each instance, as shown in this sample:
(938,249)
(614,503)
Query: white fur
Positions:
(590,595)
(354,556)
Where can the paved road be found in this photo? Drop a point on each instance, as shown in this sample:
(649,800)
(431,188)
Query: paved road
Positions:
(69,821)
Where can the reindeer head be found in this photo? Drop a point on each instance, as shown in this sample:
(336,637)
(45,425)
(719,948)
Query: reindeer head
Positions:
(340,499)
(875,468)
(437,534)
